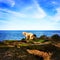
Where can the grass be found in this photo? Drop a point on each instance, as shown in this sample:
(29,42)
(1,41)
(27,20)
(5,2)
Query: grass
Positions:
(41,40)
(10,40)
(11,43)
(23,44)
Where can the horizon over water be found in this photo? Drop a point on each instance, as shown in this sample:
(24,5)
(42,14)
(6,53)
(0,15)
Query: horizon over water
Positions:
(17,34)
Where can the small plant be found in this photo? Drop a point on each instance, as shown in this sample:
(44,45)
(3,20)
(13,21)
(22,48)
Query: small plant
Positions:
(23,44)
(40,40)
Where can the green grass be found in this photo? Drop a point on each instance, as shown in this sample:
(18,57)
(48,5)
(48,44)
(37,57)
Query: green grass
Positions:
(10,40)
(40,40)
(23,44)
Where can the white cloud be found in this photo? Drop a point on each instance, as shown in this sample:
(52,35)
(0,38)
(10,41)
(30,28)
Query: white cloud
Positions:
(32,19)
(56,17)
(2,21)
(10,25)
(53,21)
(34,11)
(11,19)
(54,2)
(9,2)
(17,14)
(40,12)
(12,2)
(13,13)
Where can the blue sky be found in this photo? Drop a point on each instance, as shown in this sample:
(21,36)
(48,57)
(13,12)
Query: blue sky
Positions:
(29,14)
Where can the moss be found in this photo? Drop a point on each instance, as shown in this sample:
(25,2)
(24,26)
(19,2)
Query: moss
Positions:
(41,40)
(23,44)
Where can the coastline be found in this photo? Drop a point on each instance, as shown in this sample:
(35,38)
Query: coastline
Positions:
(22,50)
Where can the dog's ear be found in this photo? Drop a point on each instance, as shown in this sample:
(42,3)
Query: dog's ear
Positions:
(24,33)
(34,35)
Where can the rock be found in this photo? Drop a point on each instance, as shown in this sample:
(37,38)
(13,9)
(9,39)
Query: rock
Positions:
(55,38)
(44,37)
(45,55)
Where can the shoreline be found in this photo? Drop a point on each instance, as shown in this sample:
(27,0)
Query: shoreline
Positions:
(42,48)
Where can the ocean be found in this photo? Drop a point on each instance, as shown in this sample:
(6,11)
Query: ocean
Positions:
(17,34)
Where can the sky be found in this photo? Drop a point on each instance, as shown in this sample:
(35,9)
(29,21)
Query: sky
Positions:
(29,14)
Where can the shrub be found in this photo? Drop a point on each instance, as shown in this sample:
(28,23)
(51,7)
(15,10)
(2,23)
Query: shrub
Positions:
(55,38)
(44,37)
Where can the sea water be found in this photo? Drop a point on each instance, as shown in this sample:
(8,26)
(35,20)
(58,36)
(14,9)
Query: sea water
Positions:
(17,34)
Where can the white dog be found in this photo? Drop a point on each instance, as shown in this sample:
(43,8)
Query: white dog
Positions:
(29,36)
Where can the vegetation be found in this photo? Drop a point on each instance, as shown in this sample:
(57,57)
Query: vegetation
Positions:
(18,50)
(23,44)
(56,38)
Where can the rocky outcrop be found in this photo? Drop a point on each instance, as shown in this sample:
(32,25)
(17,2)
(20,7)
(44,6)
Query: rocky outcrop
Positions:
(44,55)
